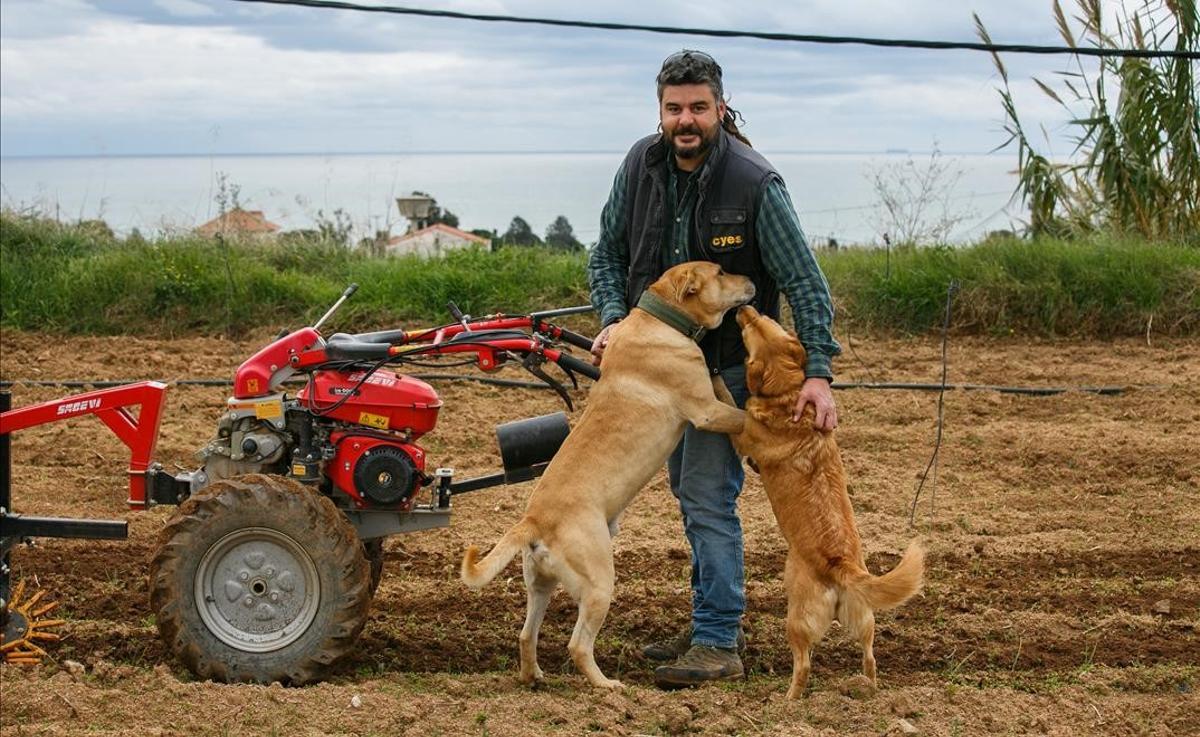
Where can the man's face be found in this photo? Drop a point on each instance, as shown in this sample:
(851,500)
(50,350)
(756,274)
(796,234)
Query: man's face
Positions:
(691,117)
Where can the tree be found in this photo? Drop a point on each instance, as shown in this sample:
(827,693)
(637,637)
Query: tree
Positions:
(437,214)
(520,234)
(560,234)
(914,200)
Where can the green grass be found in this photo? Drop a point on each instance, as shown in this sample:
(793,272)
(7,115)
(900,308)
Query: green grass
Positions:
(76,279)
(57,278)
(1100,286)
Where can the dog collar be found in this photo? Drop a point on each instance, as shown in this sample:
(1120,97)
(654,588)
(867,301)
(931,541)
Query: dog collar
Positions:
(652,303)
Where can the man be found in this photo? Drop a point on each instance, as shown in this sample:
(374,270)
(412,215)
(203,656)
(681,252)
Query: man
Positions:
(697,191)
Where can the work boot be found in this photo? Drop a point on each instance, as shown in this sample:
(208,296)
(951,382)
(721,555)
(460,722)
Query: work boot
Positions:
(698,665)
(670,648)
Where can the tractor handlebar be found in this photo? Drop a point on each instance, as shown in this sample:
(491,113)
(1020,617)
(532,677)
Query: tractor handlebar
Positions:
(568,361)
(523,334)
(576,339)
(343,347)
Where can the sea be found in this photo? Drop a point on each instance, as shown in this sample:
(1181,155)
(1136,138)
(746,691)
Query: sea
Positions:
(838,196)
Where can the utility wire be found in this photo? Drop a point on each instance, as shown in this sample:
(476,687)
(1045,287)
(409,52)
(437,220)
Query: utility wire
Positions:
(719,33)
(1033,391)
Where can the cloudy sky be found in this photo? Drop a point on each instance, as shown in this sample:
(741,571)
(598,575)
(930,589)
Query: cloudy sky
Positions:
(219,76)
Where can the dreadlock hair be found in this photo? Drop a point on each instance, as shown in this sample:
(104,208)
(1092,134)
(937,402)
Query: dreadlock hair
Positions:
(696,67)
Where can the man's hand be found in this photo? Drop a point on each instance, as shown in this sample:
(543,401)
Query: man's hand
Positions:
(816,391)
(601,342)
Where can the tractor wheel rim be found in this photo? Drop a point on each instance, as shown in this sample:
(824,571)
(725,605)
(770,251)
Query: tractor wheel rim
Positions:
(257,590)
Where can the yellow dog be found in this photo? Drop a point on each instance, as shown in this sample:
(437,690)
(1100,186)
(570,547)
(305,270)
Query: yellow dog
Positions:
(653,382)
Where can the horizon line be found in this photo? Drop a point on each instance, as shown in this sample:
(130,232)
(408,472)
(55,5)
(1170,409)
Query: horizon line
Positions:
(453,152)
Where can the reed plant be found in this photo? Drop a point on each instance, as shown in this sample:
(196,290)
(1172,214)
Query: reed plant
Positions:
(1136,164)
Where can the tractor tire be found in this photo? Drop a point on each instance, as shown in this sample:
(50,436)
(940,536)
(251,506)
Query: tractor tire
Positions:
(259,579)
(373,551)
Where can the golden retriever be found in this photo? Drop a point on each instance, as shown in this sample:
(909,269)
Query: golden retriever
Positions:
(653,382)
(825,575)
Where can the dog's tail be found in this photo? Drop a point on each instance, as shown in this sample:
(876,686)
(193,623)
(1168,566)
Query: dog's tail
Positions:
(892,588)
(478,573)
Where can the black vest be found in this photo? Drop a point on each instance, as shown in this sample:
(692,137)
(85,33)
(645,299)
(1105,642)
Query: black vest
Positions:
(731,183)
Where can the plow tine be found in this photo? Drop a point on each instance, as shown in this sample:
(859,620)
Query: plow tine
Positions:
(33,600)
(31,628)
(16,597)
(46,609)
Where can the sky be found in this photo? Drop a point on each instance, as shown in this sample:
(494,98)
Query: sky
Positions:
(125,77)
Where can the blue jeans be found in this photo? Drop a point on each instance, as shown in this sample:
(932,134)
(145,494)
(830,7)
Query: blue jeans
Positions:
(706,477)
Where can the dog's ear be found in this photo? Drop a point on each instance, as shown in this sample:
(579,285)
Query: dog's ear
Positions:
(686,285)
(781,369)
(754,376)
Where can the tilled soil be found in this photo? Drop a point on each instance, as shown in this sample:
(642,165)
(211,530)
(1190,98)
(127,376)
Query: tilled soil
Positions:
(1063,592)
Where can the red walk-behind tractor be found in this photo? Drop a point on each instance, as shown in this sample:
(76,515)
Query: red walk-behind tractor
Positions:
(267,569)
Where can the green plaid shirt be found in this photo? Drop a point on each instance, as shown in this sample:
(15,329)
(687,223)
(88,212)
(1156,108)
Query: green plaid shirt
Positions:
(781,240)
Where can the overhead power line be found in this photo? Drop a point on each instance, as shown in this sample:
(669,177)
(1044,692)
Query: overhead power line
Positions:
(719,33)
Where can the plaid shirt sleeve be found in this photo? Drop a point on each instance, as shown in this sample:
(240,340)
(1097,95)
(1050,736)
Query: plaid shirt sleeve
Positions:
(790,262)
(608,263)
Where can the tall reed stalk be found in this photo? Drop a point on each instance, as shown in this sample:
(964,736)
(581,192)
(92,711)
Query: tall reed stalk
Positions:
(1136,164)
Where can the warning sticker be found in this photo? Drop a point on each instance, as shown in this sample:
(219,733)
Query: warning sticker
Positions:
(268,410)
(371,420)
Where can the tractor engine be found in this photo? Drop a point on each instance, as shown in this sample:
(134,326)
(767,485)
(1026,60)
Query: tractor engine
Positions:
(375,418)
(350,433)
(377,472)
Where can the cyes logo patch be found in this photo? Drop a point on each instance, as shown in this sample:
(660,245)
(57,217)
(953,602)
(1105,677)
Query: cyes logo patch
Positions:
(726,241)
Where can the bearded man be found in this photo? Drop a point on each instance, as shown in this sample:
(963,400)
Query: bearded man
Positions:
(697,191)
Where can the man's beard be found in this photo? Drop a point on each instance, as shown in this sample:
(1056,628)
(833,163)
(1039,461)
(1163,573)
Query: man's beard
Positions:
(692,152)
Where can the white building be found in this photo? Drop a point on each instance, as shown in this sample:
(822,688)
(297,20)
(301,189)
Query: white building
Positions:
(433,241)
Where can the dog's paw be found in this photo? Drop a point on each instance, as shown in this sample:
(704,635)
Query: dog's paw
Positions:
(533,678)
(611,684)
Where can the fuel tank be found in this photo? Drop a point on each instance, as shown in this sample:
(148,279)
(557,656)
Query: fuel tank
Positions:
(385,400)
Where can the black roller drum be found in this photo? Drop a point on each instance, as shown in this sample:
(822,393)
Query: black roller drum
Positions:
(526,443)
(385,475)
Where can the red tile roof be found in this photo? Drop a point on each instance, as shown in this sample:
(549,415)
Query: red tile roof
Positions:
(238,220)
(447,229)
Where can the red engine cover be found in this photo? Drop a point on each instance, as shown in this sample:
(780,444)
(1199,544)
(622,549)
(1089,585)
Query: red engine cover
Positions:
(351,449)
(385,401)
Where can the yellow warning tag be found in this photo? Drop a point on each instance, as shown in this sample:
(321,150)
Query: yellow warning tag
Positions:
(268,410)
(379,421)
(298,469)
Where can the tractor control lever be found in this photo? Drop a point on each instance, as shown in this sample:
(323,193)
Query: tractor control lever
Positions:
(533,364)
(458,315)
(350,290)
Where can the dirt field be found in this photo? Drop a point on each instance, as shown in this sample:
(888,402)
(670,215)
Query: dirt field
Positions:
(1063,591)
